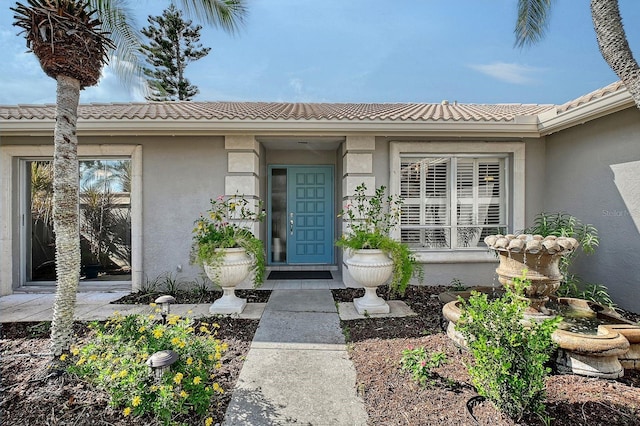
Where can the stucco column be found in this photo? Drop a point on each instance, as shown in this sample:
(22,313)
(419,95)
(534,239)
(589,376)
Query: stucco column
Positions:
(243,169)
(357,168)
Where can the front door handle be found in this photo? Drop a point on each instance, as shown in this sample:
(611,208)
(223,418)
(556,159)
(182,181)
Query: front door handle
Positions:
(291,223)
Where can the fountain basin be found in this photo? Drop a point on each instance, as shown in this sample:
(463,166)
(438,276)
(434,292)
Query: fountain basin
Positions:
(603,352)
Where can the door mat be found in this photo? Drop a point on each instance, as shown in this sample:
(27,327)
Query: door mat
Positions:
(300,275)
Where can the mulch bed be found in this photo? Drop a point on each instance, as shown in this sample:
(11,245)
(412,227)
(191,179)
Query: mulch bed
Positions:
(375,345)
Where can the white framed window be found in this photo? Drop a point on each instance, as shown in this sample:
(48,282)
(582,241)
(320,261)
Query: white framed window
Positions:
(452,201)
(110,207)
(456,193)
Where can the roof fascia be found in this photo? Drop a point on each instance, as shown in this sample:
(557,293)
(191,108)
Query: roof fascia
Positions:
(522,127)
(553,121)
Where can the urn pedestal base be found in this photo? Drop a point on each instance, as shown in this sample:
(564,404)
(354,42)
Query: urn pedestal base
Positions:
(229,303)
(371,303)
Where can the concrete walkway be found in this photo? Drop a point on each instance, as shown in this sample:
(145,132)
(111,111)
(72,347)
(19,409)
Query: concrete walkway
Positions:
(297,370)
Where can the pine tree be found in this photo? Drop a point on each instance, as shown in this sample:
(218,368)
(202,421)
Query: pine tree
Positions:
(174,43)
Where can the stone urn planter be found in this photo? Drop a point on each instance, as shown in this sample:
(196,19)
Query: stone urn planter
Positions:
(232,269)
(537,255)
(370,268)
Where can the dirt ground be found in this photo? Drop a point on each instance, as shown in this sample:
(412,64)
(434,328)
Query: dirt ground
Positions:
(31,396)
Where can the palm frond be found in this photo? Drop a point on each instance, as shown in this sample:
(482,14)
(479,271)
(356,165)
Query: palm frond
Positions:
(119,21)
(226,14)
(532,22)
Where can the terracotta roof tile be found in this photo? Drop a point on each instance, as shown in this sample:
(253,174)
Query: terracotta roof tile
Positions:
(258,111)
(596,94)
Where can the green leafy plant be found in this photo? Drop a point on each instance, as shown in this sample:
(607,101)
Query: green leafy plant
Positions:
(563,224)
(115,360)
(225,225)
(509,355)
(419,363)
(371,219)
(457,285)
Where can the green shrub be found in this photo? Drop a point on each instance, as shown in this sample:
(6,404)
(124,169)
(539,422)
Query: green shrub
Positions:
(115,360)
(419,363)
(509,355)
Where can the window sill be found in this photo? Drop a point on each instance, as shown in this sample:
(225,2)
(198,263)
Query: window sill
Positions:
(455,256)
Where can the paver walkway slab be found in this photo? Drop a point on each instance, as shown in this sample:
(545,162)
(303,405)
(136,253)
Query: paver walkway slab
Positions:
(297,370)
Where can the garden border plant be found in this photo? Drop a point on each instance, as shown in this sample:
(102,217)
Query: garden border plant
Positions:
(509,353)
(115,360)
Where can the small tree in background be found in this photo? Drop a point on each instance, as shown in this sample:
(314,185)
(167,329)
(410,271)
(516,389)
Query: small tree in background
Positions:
(174,43)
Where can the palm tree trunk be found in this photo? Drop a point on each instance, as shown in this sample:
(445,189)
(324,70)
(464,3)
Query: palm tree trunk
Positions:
(65,212)
(613,44)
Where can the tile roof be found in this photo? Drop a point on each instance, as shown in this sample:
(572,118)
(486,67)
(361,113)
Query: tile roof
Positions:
(596,94)
(259,111)
(284,111)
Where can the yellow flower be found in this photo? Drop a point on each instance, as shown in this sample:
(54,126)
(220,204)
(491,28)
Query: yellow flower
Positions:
(189,361)
(210,357)
(154,388)
(184,394)
(175,341)
(173,319)
(75,351)
(126,411)
(63,357)
(178,378)
(182,344)
(153,305)
(123,374)
(142,329)
(136,401)
(93,357)
(205,330)
(81,361)
(208,421)
(218,388)
(197,380)
(158,332)
(152,317)
(216,325)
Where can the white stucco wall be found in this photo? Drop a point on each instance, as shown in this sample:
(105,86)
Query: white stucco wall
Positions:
(593,173)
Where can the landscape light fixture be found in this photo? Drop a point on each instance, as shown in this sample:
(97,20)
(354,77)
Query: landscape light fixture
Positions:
(165,302)
(160,362)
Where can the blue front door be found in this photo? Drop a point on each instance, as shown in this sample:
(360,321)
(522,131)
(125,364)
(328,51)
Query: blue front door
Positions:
(309,214)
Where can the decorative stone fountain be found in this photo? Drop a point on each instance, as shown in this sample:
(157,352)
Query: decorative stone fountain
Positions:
(603,349)
(539,256)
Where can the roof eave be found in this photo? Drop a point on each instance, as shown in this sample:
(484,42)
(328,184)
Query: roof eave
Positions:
(553,121)
(521,127)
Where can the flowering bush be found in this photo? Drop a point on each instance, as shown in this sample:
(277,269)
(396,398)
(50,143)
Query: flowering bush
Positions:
(371,219)
(115,360)
(225,225)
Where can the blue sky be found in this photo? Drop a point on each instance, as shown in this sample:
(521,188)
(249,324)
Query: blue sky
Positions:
(364,51)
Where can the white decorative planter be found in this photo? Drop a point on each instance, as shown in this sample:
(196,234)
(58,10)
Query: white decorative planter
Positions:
(234,268)
(370,268)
